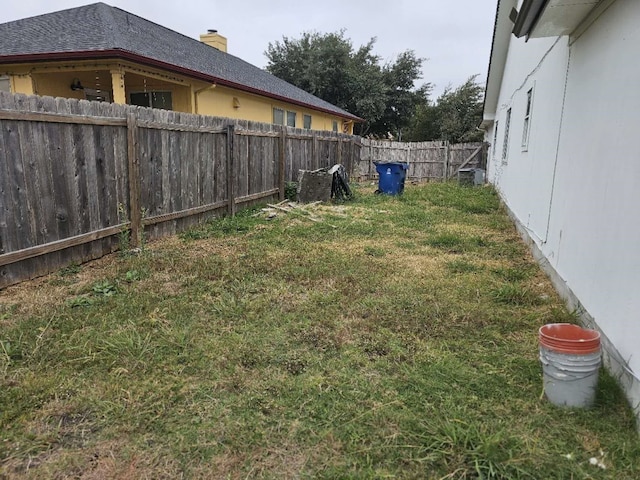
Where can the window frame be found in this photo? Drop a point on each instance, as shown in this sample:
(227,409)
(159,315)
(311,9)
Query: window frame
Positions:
(505,141)
(279,111)
(291,115)
(306,124)
(334,126)
(526,127)
(495,139)
(5,80)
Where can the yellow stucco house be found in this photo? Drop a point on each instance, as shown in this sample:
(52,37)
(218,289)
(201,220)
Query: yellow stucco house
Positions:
(99,52)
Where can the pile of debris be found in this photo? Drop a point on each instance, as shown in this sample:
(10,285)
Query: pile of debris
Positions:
(306,211)
(314,188)
(323,185)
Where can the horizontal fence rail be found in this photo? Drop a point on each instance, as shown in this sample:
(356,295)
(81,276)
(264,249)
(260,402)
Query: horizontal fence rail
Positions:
(428,161)
(78,177)
(75,175)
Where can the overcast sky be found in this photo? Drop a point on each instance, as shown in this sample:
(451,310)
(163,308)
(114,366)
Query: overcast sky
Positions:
(453,36)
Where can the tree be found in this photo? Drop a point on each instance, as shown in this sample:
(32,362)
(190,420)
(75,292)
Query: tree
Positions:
(455,116)
(327,65)
(402,99)
(460,112)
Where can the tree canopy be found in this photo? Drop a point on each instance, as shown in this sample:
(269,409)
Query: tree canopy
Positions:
(455,116)
(384,95)
(328,66)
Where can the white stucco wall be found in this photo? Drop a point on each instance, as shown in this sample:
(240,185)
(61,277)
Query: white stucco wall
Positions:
(525,179)
(594,238)
(575,190)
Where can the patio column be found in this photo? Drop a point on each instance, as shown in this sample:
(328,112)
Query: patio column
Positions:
(117,82)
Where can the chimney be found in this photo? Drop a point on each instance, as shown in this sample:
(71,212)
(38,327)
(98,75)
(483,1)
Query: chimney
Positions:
(215,40)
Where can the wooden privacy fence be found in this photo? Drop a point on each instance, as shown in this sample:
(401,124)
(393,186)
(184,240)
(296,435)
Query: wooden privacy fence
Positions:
(75,175)
(437,161)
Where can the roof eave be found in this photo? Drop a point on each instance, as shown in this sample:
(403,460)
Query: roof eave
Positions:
(498,58)
(152,62)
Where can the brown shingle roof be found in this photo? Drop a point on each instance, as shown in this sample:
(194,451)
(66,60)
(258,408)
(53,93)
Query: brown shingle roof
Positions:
(99,30)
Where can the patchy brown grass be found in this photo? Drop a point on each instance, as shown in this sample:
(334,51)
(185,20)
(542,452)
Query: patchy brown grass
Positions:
(393,338)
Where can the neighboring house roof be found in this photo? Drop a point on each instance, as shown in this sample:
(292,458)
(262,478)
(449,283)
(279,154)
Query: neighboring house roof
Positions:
(101,31)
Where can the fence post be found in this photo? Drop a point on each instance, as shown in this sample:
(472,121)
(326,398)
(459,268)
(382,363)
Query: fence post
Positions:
(231,174)
(370,162)
(315,160)
(408,162)
(447,153)
(282,163)
(135,210)
(339,152)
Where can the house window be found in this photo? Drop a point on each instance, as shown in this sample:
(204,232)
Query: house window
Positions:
(335,126)
(527,121)
(278,116)
(5,85)
(505,144)
(161,100)
(307,122)
(291,119)
(495,141)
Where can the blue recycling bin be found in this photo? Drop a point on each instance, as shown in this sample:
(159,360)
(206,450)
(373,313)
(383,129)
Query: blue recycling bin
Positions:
(392,177)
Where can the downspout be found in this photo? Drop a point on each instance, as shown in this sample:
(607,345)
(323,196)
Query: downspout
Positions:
(197,92)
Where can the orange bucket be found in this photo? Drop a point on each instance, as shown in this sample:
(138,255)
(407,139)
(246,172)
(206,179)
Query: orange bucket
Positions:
(569,338)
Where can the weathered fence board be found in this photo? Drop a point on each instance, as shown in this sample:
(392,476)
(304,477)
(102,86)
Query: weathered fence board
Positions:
(74,174)
(437,160)
(461,151)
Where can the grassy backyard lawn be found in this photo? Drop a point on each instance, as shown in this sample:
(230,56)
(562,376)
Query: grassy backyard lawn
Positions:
(390,338)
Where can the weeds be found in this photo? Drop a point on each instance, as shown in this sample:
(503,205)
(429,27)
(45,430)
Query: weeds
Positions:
(513,294)
(291,191)
(6,349)
(132,276)
(237,225)
(124,236)
(400,344)
(80,301)
(513,274)
(100,289)
(374,251)
(70,270)
(104,288)
(462,266)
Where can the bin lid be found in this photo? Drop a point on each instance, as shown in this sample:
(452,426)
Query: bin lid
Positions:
(394,164)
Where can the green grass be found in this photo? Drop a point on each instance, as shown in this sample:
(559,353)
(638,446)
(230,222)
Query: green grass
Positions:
(396,338)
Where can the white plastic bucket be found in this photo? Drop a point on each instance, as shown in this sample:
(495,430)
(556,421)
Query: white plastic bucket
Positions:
(570,379)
